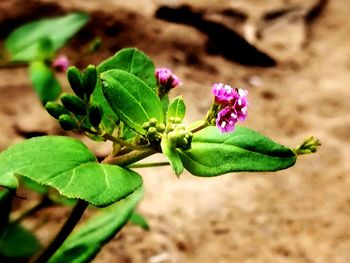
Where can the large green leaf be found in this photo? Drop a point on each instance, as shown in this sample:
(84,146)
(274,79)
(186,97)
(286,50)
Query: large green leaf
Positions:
(44,82)
(23,42)
(133,61)
(133,100)
(213,153)
(177,109)
(86,242)
(17,242)
(67,165)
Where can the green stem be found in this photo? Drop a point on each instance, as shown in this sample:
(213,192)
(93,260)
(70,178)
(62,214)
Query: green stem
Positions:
(66,229)
(122,142)
(202,125)
(131,157)
(45,202)
(146,165)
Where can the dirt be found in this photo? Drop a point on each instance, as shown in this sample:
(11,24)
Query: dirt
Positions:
(297,215)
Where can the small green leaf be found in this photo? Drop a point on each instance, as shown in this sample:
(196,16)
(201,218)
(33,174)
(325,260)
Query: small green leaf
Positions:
(17,242)
(24,41)
(44,82)
(177,109)
(133,61)
(129,97)
(213,153)
(169,150)
(83,245)
(139,220)
(67,165)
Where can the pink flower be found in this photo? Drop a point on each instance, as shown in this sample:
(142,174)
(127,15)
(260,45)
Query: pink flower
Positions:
(61,63)
(226,119)
(233,105)
(166,79)
(224,94)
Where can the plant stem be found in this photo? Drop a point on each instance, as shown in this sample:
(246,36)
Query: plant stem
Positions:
(45,202)
(131,157)
(66,229)
(203,125)
(145,165)
(122,142)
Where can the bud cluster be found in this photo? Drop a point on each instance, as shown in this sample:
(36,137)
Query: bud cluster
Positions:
(77,111)
(154,130)
(178,134)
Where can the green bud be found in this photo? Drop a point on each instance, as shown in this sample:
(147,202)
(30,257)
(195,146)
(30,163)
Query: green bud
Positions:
(75,81)
(89,80)
(171,119)
(309,145)
(55,109)
(161,127)
(67,122)
(146,125)
(95,114)
(177,120)
(73,103)
(172,137)
(153,122)
(152,130)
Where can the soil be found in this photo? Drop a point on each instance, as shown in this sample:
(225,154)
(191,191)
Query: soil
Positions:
(292,56)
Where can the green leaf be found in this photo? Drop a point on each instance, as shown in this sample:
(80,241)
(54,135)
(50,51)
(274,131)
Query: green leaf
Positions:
(133,100)
(17,242)
(67,165)
(86,242)
(44,82)
(139,220)
(24,41)
(133,61)
(177,109)
(213,153)
(169,150)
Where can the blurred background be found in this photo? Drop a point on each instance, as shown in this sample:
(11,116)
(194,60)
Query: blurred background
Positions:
(293,56)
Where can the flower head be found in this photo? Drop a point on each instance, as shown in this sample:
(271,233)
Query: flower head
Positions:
(166,79)
(232,105)
(61,63)
(226,119)
(224,94)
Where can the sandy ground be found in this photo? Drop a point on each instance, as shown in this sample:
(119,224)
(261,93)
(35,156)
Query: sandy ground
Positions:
(298,215)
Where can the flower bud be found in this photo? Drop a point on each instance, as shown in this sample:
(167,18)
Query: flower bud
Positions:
(95,114)
(153,122)
(67,122)
(89,80)
(61,63)
(73,103)
(55,109)
(75,81)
